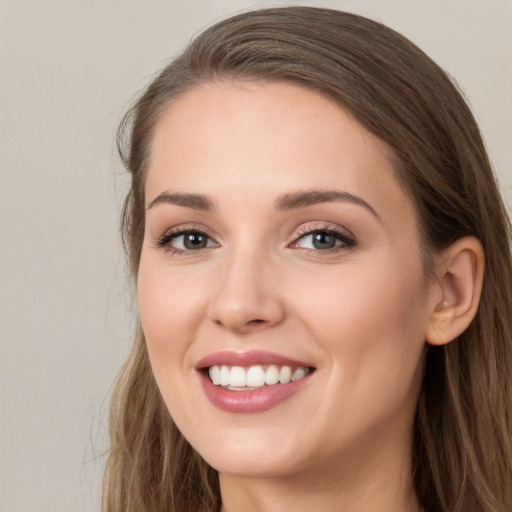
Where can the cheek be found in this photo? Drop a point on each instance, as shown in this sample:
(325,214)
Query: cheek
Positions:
(370,323)
(169,308)
(371,329)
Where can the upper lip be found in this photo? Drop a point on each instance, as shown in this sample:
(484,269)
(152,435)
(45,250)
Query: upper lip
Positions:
(250,358)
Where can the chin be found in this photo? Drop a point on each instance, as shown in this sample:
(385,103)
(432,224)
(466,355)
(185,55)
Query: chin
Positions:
(251,455)
(252,465)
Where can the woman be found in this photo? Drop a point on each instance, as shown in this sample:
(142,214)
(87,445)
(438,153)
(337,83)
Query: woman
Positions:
(311,215)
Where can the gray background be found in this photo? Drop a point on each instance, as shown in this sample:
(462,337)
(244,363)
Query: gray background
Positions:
(68,70)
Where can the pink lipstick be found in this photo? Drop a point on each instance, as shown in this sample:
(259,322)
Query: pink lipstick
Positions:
(249,382)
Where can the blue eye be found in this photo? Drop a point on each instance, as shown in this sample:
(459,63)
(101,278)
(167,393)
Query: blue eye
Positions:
(186,241)
(324,240)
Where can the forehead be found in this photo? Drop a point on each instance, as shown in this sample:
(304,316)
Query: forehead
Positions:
(276,114)
(266,139)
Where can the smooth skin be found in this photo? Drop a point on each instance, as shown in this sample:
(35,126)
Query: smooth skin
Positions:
(338,284)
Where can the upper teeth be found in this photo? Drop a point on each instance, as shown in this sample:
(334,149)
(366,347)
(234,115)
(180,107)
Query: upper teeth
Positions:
(254,376)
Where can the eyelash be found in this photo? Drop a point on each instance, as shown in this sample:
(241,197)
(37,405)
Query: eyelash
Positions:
(165,240)
(346,240)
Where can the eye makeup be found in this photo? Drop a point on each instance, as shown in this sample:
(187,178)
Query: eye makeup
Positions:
(312,239)
(324,239)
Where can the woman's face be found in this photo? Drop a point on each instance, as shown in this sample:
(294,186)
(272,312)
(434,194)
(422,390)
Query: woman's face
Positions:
(278,246)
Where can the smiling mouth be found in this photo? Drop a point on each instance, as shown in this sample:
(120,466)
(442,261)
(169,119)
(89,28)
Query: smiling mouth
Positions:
(251,382)
(240,378)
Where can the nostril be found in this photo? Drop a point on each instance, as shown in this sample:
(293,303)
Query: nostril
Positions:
(256,323)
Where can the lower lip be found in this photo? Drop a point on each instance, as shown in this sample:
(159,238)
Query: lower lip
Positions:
(259,400)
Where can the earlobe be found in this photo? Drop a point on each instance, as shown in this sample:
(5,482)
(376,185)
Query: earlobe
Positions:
(459,284)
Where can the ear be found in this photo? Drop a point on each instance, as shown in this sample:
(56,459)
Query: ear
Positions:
(460,270)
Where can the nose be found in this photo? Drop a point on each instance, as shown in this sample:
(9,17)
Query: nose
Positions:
(246,296)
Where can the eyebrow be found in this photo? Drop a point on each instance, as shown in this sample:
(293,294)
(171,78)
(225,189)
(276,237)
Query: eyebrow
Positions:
(194,201)
(311,197)
(289,201)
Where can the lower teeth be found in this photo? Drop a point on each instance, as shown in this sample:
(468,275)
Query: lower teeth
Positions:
(247,388)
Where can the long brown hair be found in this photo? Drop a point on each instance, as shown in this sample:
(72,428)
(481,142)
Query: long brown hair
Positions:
(463,427)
